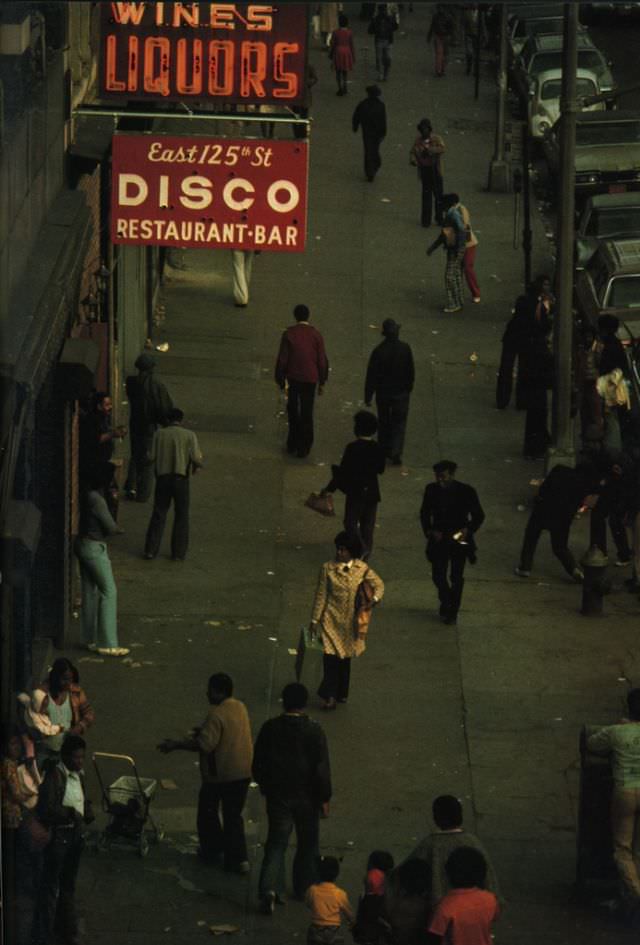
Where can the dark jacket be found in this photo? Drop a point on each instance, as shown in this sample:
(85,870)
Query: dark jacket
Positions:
(149,403)
(449,509)
(383,26)
(370,115)
(535,368)
(390,370)
(563,492)
(302,356)
(612,356)
(50,810)
(357,475)
(291,759)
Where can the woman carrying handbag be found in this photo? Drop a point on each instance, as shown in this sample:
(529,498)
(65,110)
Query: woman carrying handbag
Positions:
(347,591)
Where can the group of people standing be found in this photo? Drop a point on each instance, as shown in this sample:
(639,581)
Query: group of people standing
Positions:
(448,879)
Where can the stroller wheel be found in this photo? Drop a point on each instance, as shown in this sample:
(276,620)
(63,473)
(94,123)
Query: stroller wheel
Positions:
(144,845)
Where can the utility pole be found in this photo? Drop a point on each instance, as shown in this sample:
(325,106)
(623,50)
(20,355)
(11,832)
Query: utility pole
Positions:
(500,168)
(562,427)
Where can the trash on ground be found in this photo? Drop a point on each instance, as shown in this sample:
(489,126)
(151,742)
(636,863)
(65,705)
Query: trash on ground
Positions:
(224,929)
(473,357)
(213,623)
(245,626)
(373,326)
(273,639)
(521,508)
(168,784)
(292,652)
(271,572)
(384,200)
(91,659)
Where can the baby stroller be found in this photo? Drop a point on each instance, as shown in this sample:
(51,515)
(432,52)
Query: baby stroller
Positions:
(126,801)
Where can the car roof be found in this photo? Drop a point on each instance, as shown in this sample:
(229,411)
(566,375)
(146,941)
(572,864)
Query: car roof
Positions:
(622,256)
(604,201)
(535,11)
(550,74)
(553,41)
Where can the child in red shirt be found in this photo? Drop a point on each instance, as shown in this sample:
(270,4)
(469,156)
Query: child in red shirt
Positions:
(370,927)
(465,915)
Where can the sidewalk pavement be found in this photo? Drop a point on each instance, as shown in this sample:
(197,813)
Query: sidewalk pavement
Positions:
(490,710)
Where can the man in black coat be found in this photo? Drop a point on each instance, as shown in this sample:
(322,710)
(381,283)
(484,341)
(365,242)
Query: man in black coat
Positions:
(371,115)
(450,516)
(291,767)
(357,476)
(149,404)
(560,496)
(390,376)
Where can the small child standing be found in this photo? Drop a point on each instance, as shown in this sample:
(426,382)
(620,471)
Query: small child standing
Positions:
(467,912)
(328,904)
(370,927)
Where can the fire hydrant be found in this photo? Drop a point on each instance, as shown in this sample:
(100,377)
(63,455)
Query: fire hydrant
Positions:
(596,583)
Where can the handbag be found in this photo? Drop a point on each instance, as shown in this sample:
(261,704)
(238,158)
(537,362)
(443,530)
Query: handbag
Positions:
(306,641)
(321,502)
(363,607)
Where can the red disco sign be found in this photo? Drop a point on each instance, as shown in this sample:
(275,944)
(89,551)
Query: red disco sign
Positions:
(209,193)
(250,53)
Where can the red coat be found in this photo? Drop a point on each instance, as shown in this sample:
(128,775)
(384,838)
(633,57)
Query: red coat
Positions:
(341,51)
(302,356)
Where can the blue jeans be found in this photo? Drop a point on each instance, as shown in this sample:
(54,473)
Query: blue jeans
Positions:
(284,814)
(99,593)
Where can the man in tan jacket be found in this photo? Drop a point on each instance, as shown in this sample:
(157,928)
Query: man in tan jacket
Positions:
(226,753)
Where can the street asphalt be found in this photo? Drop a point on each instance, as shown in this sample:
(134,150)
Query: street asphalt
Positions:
(491,710)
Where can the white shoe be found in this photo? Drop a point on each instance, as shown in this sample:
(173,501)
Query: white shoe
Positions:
(113,650)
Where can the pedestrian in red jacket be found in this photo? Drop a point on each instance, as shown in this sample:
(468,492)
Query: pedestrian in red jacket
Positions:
(302,364)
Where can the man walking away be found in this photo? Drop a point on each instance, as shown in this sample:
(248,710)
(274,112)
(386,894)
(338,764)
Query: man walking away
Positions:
(302,363)
(291,766)
(149,405)
(382,28)
(450,515)
(390,376)
(560,496)
(441,31)
(371,115)
(622,741)
(175,455)
(226,752)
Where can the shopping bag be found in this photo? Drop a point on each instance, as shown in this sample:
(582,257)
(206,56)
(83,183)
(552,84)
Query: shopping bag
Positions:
(307,641)
(321,502)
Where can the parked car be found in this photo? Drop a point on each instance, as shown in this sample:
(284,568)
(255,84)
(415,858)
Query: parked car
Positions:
(610,282)
(532,18)
(544,100)
(606,217)
(607,153)
(541,53)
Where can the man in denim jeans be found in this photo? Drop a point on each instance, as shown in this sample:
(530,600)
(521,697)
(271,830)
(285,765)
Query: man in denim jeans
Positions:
(623,742)
(291,766)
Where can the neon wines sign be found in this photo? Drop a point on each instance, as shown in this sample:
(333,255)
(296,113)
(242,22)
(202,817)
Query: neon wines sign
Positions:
(231,52)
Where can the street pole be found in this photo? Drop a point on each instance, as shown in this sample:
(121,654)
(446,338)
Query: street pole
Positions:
(562,427)
(527,235)
(500,169)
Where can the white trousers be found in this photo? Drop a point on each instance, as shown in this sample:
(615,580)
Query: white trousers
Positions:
(242,266)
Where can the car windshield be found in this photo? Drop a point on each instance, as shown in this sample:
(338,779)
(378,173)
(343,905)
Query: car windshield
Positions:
(624,292)
(618,222)
(553,88)
(607,132)
(587,59)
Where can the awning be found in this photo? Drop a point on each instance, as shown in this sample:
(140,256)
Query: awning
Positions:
(76,368)
(92,136)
